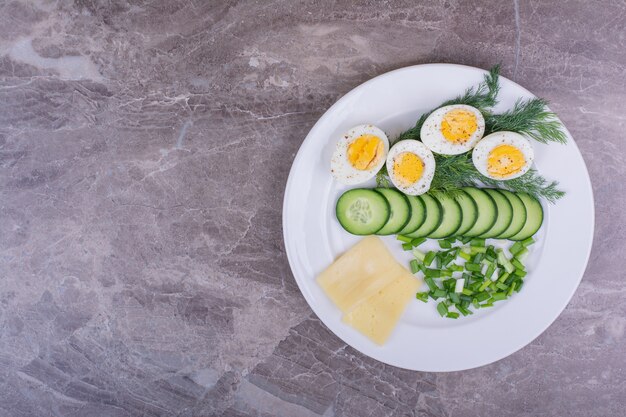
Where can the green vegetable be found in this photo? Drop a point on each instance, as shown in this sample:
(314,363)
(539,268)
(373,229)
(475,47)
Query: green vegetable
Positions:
(452,315)
(442,308)
(414,266)
(404,239)
(422,296)
(428,259)
(418,241)
(530,118)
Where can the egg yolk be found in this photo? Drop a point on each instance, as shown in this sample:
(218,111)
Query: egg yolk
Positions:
(365,151)
(408,168)
(458,125)
(504,161)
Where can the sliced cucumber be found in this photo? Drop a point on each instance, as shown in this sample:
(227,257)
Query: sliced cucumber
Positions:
(487,211)
(519,215)
(469,212)
(399,211)
(534,217)
(451,220)
(505,214)
(433,217)
(418,214)
(362,211)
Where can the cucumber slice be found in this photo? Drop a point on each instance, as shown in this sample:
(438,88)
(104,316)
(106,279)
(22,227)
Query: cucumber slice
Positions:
(534,217)
(487,211)
(519,215)
(505,214)
(418,214)
(433,217)
(469,212)
(399,211)
(452,218)
(362,211)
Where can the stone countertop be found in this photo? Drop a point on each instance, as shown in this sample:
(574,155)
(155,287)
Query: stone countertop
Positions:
(144,150)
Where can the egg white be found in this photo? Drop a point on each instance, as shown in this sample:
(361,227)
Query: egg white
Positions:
(341,168)
(418,148)
(481,152)
(431,135)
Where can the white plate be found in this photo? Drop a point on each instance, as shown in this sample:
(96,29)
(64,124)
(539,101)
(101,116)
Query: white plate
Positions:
(422,340)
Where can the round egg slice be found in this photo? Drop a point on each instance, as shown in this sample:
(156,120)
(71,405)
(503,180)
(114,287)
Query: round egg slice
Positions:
(503,155)
(359,154)
(411,166)
(454,129)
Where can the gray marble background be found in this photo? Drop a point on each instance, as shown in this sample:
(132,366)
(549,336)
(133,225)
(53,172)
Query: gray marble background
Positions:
(144,150)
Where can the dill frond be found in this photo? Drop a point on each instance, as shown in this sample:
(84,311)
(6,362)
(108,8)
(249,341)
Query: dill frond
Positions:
(528,117)
(454,172)
(483,97)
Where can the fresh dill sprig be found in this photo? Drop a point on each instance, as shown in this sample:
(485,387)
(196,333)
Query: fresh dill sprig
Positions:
(528,117)
(454,172)
(382,178)
(483,97)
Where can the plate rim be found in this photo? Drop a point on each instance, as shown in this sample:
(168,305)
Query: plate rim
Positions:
(289,185)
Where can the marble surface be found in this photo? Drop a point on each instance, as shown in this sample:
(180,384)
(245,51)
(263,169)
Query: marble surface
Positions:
(144,150)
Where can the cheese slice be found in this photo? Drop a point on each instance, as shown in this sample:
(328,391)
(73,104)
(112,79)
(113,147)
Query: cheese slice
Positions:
(359,273)
(377,316)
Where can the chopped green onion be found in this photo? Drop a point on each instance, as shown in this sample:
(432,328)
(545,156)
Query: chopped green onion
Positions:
(497,296)
(431,284)
(439,292)
(438,262)
(465,255)
(490,270)
(478,258)
(528,241)
(407,246)
(502,286)
(518,285)
(448,284)
(510,291)
(503,277)
(418,241)
(517,246)
(433,273)
(520,273)
(452,315)
(404,239)
(442,309)
(422,296)
(488,304)
(428,259)
(465,240)
(414,266)
(476,249)
(522,253)
(517,264)
(463,310)
(478,243)
(473,267)
(467,291)
(419,255)
(446,273)
(481,296)
(485,285)
(444,244)
(458,285)
(475,303)
(454,297)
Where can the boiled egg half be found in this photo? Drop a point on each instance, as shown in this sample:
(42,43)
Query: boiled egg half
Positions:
(452,130)
(359,154)
(503,155)
(411,166)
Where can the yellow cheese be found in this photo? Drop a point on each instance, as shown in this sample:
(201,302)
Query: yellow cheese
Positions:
(359,273)
(377,316)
